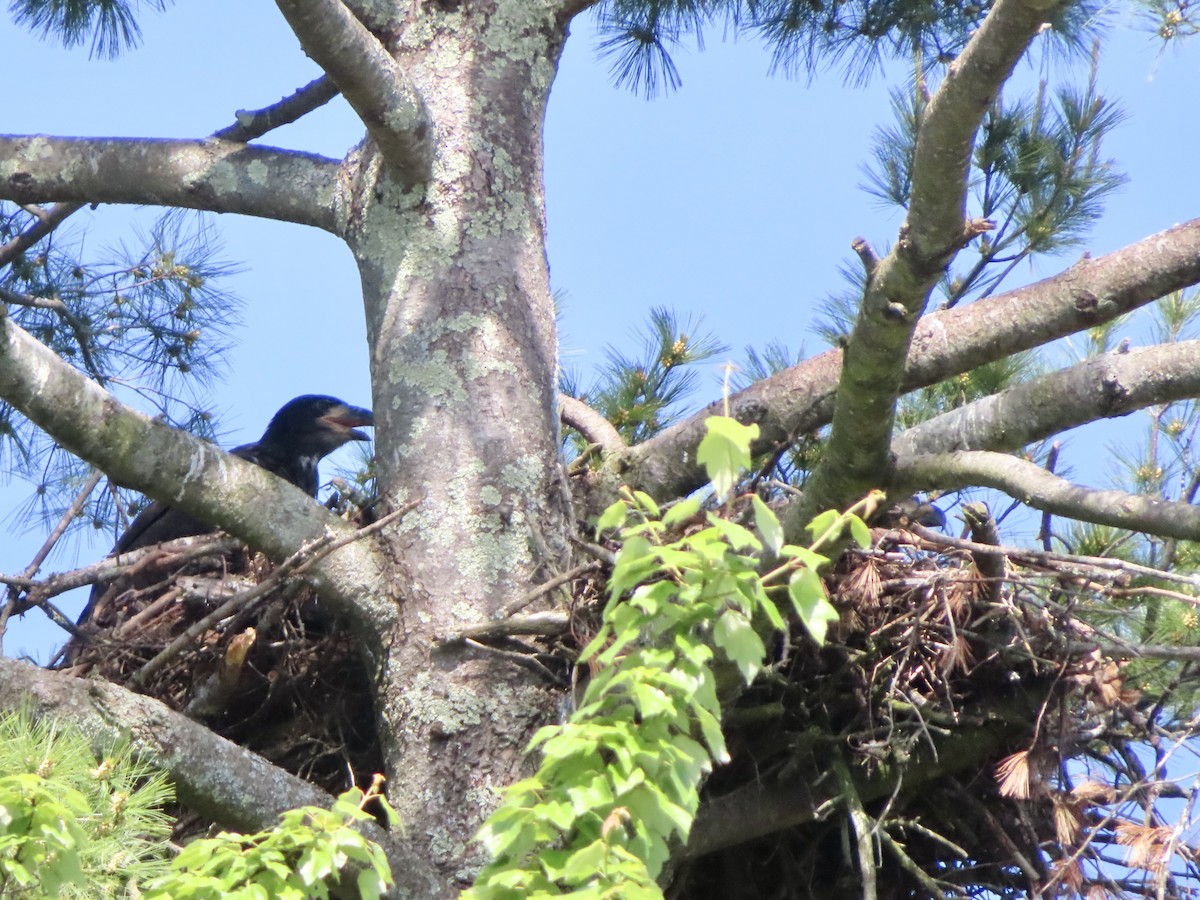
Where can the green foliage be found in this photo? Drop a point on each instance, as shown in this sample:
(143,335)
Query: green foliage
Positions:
(619,783)
(1037,173)
(967,387)
(637,35)
(725,451)
(110,24)
(297,859)
(71,826)
(639,394)
(148,318)
(40,837)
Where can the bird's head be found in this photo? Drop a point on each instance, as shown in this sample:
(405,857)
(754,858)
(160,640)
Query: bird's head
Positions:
(316,425)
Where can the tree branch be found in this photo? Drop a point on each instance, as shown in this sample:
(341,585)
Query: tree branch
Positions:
(45,224)
(935,227)
(762,808)
(933,232)
(799,400)
(212,776)
(214,175)
(589,423)
(370,79)
(249,125)
(1104,387)
(1034,486)
(170,465)
(255,123)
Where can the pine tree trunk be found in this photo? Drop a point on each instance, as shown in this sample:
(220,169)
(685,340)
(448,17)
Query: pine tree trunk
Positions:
(461,326)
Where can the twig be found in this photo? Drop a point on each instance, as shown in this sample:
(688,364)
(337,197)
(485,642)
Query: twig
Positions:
(72,511)
(595,551)
(867,255)
(998,832)
(546,587)
(249,125)
(520,659)
(1044,533)
(46,223)
(907,864)
(864,828)
(1052,561)
(179,550)
(542,624)
(81,331)
(255,123)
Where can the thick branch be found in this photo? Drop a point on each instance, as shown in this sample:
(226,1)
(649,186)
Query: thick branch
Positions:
(764,808)
(800,400)
(935,227)
(212,776)
(1104,387)
(214,175)
(588,422)
(370,79)
(933,232)
(1034,486)
(170,465)
(250,124)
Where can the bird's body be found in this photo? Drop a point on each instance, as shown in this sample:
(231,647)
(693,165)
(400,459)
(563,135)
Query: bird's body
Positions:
(299,436)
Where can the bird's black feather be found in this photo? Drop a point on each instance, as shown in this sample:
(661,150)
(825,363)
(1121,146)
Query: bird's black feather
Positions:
(299,436)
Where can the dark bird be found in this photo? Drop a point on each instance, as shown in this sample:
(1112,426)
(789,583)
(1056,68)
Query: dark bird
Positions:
(299,436)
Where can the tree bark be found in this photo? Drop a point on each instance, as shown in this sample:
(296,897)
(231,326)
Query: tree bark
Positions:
(800,400)
(463,357)
(214,175)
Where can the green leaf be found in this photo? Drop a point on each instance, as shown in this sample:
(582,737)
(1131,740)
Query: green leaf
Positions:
(811,559)
(822,522)
(725,451)
(585,862)
(739,538)
(734,634)
(767,524)
(613,517)
(811,604)
(635,563)
(859,531)
(681,511)
(646,502)
(652,702)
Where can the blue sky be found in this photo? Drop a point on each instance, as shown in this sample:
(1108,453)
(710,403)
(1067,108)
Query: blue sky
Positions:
(735,198)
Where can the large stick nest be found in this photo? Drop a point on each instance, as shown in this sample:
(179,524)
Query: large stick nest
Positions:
(977,738)
(276,675)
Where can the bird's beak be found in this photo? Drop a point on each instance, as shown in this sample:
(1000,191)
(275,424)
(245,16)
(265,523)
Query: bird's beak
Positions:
(345,419)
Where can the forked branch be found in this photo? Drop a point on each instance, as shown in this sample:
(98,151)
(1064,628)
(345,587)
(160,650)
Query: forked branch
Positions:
(370,79)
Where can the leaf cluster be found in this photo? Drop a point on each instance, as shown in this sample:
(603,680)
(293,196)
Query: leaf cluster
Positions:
(149,318)
(639,394)
(72,825)
(619,782)
(110,25)
(637,36)
(297,859)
